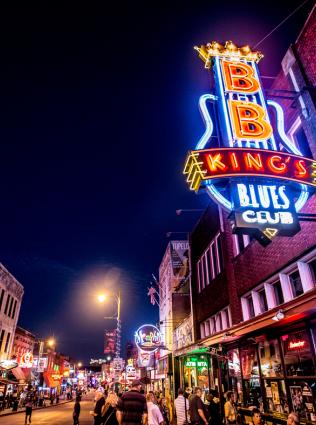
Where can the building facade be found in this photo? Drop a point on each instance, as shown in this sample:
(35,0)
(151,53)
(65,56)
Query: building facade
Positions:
(11,294)
(23,343)
(254,306)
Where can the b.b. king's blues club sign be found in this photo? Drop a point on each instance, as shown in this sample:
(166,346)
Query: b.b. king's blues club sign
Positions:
(256,173)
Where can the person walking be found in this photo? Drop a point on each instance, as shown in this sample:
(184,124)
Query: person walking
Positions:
(29,404)
(197,409)
(229,409)
(76,412)
(132,406)
(154,414)
(213,408)
(97,412)
(109,409)
(182,406)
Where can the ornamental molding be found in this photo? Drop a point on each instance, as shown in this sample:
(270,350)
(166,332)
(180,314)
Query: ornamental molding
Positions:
(10,282)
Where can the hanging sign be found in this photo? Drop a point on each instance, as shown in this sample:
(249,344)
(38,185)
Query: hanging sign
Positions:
(255,172)
(148,338)
(26,360)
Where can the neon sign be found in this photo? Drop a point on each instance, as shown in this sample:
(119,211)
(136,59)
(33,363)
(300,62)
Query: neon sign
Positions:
(148,338)
(296,345)
(246,150)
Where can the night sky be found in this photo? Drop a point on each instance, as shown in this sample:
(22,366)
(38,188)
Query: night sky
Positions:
(98,110)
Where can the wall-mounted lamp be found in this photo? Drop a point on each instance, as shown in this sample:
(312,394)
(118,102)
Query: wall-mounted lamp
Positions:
(278,316)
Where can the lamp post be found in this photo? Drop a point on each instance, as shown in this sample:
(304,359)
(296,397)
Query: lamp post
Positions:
(102,298)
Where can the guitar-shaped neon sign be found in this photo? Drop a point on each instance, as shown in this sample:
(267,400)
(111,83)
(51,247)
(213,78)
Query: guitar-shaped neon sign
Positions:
(260,176)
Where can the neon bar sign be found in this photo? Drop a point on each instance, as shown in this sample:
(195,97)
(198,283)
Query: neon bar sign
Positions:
(246,150)
(296,345)
(148,338)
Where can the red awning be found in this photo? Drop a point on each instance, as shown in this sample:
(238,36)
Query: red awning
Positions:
(18,373)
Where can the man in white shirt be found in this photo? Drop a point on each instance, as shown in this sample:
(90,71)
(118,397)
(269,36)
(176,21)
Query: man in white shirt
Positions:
(182,405)
(154,414)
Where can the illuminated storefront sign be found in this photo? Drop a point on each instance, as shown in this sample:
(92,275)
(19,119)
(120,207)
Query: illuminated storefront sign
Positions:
(148,338)
(26,360)
(296,345)
(248,168)
(195,363)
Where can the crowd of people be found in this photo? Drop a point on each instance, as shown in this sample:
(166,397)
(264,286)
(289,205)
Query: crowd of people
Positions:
(134,407)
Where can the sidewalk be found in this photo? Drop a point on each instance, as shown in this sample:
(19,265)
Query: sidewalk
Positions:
(7,412)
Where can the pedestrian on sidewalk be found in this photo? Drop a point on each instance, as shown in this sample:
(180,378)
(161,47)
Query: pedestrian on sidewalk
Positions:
(214,416)
(109,409)
(29,405)
(132,406)
(76,412)
(97,412)
(154,414)
(197,409)
(229,409)
(182,406)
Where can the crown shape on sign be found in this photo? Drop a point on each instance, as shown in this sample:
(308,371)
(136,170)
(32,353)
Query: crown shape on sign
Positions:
(230,50)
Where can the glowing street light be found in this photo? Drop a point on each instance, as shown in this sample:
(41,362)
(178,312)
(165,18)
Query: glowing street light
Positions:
(101,298)
(51,342)
(79,364)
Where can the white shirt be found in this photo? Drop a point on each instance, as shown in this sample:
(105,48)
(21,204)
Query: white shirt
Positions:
(180,403)
(154,414)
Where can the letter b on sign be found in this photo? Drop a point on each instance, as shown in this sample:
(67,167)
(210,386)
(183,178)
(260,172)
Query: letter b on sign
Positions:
(239,77)
(249,121)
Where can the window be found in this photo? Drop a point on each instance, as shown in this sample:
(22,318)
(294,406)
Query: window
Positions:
(210,264)
(278,293)
(7,304)
(263,300)
(207,327)
(296,284)
(312,266)
(206,269)
(298,356)
(251,309)
(1,339)
(11,305)
(270,359)
(1,298)
(202,330)
(219,324)
(7,343)
(212,325)
(14,309)
(219,254)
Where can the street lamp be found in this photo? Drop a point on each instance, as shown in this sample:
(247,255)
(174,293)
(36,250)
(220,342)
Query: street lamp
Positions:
(51,342)
(102,298)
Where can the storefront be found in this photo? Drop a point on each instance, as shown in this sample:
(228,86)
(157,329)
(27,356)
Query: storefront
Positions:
(195,371)
(275,371)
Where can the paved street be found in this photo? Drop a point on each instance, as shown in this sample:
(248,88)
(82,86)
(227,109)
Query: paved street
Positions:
(59,415)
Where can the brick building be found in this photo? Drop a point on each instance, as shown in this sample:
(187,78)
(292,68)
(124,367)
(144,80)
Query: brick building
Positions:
(254,307)
(23,343)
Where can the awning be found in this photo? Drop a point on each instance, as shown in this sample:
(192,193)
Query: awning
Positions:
(18,373)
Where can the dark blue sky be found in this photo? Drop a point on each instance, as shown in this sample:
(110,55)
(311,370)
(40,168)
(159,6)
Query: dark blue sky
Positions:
(97,111)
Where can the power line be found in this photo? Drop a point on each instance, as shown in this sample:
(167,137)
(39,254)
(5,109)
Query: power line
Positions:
(281,23)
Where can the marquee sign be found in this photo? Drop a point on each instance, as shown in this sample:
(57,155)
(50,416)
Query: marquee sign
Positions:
(251,170)
(148,338)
